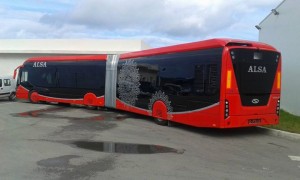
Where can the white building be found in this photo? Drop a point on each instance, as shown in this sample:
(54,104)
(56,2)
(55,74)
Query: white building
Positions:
(14,52)
(281,28)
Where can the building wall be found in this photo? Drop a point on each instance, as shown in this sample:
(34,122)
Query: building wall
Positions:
(283,32)
(8,62)
(13,52)
(71,46)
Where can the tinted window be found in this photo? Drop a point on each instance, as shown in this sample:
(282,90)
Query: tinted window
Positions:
(42,77)
(254,70)
(65,79)
(0,82)
(255,73)
(189,80)
(66,76)
(91,77)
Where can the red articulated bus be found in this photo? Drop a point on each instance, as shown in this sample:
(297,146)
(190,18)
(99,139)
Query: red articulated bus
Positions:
(218,83)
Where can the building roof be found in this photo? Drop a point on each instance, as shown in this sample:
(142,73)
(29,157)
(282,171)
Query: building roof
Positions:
(71,46)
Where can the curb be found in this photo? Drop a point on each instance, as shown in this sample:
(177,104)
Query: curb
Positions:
(279,133)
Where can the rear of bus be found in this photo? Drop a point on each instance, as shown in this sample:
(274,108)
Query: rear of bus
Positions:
(252,80)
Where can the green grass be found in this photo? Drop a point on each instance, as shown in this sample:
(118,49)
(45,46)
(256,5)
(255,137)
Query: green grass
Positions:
(288,122)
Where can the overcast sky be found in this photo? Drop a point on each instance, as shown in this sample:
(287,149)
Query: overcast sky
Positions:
(157,22)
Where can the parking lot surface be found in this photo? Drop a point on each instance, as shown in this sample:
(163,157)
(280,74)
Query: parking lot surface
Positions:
(39,141)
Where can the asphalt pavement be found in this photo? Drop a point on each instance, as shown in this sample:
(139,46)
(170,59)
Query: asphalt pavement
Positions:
(39,141)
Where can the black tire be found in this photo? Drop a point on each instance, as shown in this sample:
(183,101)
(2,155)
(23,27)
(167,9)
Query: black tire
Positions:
(64,104)
(91,107)
(44,102)
(161,121)
(12,96)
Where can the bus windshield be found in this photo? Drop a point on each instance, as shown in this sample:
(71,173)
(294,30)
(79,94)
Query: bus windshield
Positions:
(255,72)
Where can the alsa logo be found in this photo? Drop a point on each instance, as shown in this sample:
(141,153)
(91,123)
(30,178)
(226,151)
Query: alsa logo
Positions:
(257,69)
(39,64)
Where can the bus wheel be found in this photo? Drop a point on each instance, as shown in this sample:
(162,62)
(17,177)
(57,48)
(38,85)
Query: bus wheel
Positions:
(159,112)
(90,99)
(64,104)
(91,107)
(33,97)
(161,121)
(12,96)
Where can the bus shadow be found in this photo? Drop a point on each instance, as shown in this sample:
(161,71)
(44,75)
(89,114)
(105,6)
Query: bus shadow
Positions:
(214,132)
(5,100)
(107,113)
(50,112)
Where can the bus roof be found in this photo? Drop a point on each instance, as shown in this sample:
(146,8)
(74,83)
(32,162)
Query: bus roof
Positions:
(68,58)
(207,44)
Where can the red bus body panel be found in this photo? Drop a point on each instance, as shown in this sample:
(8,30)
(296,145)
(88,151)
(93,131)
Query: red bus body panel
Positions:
(208,117)
(89,99)
(239,114)
(22,93)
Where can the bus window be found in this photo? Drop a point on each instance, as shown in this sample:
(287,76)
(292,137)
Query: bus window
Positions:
(199,79)
(211,86)
(66,77)
(89,77)
(190,80)
(255,72)
(43,77)
(24,76)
